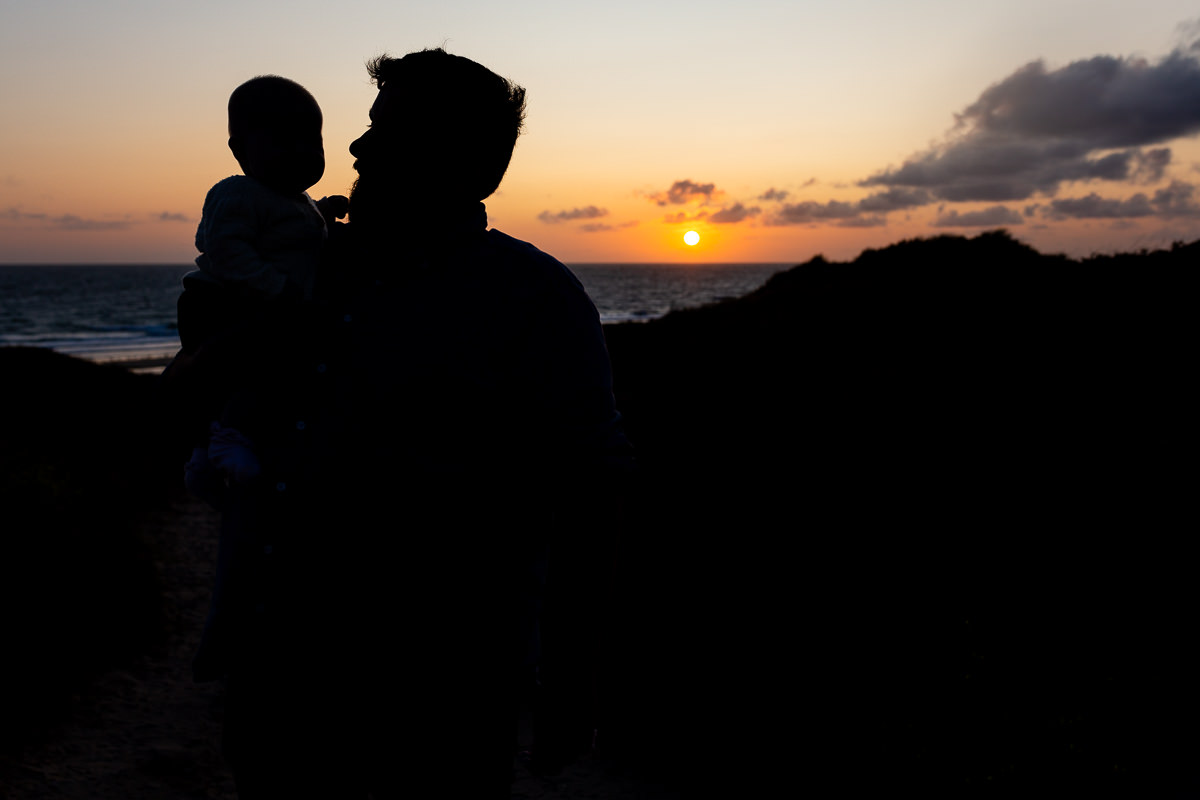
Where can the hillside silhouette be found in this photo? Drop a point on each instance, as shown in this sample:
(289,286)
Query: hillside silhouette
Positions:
(914,520)
(81,462)
(925,510)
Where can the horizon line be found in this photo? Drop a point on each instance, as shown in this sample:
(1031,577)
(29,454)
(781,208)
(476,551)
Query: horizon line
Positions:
(567,263)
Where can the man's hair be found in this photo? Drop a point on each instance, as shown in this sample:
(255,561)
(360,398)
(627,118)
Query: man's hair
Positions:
(268,102)
(468,115)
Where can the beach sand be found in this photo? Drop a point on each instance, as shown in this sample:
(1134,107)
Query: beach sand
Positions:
(148,731)
(145,730)
(106,568)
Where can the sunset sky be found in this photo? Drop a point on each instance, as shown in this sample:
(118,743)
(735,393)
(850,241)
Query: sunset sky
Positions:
(776,130)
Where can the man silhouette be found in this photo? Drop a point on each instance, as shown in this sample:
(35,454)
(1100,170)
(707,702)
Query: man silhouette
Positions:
(453,430)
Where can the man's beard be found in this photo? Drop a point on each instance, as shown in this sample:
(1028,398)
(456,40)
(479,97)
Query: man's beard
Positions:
(370,205)
(383,203)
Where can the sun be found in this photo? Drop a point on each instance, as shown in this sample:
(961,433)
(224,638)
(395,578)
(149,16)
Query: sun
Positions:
(691,238)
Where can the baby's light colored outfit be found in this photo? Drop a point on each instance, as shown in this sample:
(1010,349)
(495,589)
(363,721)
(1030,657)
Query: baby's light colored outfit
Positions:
(257,237)
(254,238)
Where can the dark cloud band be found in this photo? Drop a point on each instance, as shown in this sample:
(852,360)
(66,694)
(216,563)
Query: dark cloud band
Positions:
(589,212)
(1038,129)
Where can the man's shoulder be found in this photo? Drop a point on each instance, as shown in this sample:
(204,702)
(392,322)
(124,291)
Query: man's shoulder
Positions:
(528,259)
(514,248)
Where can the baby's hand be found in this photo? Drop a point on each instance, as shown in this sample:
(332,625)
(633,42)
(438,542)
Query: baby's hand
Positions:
(333,207)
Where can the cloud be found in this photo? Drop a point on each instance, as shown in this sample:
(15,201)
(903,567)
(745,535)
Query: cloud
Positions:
(602,227)
(996,215)
(1102,120)
(1105,102)
(168,216)
(735,213)
(999,171)
(1176,200)
(1096,207)
(875,221)
(1040,128)
(686,191)
(65,222)
(811,211)
(1151,165)
(895,199)
(683,216)
(70,222)
(14,214)
(590,212)
(1173,201)
(1188,33)
(866,213)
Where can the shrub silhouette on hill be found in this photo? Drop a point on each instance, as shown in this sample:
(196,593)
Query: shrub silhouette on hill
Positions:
(950,457)
(945,348)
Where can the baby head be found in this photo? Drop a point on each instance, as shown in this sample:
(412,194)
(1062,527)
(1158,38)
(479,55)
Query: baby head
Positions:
(275,133)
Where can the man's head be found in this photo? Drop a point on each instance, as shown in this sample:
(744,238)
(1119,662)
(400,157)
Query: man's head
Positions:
(275,133)
(442,129)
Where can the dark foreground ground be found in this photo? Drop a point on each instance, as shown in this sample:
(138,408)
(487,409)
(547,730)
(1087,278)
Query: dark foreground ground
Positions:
(919,522)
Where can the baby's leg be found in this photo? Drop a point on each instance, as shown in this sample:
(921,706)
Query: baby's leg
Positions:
(203,479)
(232,453)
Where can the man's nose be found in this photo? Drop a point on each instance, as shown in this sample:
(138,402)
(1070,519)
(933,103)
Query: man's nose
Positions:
(358,146)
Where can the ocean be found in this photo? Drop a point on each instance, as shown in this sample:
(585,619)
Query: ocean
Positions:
(126,313)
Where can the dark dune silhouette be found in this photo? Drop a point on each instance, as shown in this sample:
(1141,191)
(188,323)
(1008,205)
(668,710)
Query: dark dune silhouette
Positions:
(80,460)
(923,510)
(916,520)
